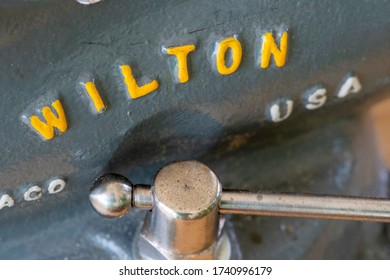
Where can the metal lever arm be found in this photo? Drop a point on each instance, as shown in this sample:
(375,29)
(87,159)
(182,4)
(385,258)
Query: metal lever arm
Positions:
(246,202)
(305,205)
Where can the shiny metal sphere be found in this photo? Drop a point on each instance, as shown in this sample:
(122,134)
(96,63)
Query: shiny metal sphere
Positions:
(111,195)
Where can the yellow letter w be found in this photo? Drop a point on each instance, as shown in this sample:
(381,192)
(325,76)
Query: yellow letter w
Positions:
(46,129)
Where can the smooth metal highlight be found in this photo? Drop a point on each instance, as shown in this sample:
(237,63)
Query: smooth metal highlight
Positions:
(305,205)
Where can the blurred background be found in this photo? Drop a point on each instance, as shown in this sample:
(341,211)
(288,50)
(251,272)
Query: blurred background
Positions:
(380,114)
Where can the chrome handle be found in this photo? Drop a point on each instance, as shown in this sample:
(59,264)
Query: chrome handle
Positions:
(305,206)
(113,196)
(186,199)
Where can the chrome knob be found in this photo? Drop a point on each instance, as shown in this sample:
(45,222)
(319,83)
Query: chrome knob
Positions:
(111,195)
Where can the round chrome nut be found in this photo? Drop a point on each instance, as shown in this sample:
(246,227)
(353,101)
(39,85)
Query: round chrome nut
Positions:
(111,195)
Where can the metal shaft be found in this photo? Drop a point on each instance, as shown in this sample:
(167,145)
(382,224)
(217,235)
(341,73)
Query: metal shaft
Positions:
(307,206)
(113,196)
(142,197)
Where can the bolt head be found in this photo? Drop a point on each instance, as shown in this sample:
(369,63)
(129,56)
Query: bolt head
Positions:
(111,195)
(221,249)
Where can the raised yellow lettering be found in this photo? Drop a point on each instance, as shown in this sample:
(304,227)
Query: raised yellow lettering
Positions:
(95,97)
(133,89)
(181,54)
(47,129)
(270,47)
(236,56)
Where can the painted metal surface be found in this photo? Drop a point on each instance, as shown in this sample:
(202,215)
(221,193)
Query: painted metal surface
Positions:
(49,49)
